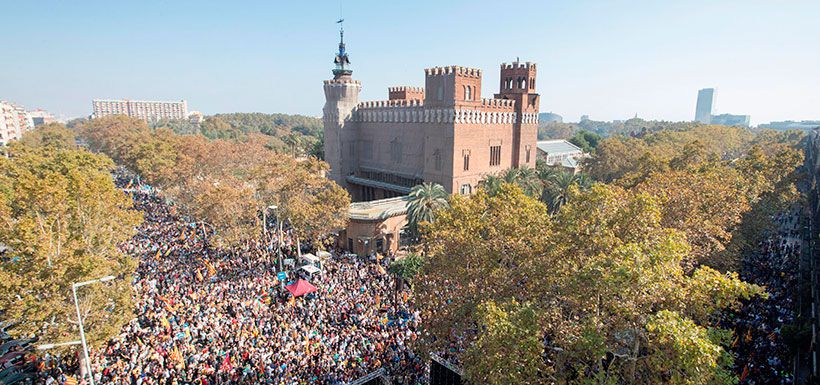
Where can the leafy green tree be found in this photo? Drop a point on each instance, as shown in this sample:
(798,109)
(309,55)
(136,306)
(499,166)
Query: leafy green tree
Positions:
(425,200)
(586,140)
(62,220)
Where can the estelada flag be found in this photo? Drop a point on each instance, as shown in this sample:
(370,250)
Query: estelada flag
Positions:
(159,253)
(199,275)
(70,380)
(745,372)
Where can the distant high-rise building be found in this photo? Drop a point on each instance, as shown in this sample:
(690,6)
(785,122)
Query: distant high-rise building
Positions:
(141,109)
(706,103)
(731,120)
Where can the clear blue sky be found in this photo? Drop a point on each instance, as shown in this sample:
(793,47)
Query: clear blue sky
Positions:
(607,59)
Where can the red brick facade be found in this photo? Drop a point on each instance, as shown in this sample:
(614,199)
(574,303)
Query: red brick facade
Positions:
(444,133)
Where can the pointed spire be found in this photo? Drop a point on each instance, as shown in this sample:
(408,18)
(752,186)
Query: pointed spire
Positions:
(342,62)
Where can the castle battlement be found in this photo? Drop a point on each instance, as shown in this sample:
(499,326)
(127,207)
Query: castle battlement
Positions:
(342,81)
(498,103)
(450,70)
(515,65)
(406,89)
(391,103)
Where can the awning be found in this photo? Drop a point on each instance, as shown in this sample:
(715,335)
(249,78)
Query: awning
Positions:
(378,184)
(323,254)
(300,288)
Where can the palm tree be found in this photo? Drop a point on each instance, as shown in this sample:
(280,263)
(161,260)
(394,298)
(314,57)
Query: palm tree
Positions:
(425,199)
(557,187)
(526,178)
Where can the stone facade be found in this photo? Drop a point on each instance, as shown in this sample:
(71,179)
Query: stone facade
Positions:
(444,133)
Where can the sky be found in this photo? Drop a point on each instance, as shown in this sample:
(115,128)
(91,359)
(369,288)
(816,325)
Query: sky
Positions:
(606,59)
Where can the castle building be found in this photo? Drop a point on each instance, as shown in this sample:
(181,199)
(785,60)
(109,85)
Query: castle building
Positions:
(444,133)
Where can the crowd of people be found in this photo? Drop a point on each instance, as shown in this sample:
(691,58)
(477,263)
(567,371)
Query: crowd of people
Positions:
(762,357)
(208,316)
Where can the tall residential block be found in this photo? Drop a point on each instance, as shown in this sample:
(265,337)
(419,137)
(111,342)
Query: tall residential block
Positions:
(706,103)
(444,132)
(141,109)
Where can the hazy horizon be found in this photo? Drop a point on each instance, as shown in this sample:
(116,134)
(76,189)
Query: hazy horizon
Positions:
(609,60)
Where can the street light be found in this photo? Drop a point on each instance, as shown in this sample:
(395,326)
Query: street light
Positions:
(80,320)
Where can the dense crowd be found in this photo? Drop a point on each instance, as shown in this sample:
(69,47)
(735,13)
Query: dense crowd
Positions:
(762,357)
(208,316)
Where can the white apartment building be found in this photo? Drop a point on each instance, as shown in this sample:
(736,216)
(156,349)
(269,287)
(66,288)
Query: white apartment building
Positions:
(141,109)
(14,122)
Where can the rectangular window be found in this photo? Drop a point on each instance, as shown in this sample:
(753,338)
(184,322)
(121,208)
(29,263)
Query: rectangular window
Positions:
(495,155)
(395,151)
(467,162)
(367,149)
(466,189)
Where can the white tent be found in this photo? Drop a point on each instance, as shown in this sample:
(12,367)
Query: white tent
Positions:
(323,254)
(310,258)
(310,269)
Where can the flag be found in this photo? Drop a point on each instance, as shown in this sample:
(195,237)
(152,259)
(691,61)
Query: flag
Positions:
(70,380)
(199,275)
(168,252)
(159,253)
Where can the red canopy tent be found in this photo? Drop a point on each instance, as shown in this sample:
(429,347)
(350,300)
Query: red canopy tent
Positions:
(300,288)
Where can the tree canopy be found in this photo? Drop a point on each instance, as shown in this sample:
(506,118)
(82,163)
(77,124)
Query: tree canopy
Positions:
(61,220)
(225,182)
(600,290)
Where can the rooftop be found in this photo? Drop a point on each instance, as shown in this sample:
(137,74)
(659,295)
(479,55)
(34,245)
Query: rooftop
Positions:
(378,209)
(558,146)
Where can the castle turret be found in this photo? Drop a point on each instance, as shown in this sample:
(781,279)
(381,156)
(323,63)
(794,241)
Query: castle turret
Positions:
(341,98)
(518,83)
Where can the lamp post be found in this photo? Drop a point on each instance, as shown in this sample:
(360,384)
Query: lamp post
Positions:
(80,321)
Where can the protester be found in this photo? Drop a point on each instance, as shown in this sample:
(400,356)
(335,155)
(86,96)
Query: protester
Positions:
(208,316)
(761,355)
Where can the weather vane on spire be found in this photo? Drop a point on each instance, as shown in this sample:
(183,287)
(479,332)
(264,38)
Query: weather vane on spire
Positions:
(341,60)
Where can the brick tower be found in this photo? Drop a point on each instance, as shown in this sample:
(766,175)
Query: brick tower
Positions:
(341,98)
(518,83)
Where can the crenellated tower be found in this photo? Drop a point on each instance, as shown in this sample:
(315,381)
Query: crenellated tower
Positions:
(518,83)
(341,98)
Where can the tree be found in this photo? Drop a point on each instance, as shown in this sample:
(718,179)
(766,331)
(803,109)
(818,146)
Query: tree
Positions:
(586,140)
(493,360)
(598,292)
(62,221)
(53,135)
(425,200)
(525,177)
(557,185)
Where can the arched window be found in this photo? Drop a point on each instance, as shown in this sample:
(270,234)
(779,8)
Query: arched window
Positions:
(440,93)
(468,93)
(523,84)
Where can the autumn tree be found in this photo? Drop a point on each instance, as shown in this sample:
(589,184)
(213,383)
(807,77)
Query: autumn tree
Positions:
(597,293)
(62,220)
(54,135)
